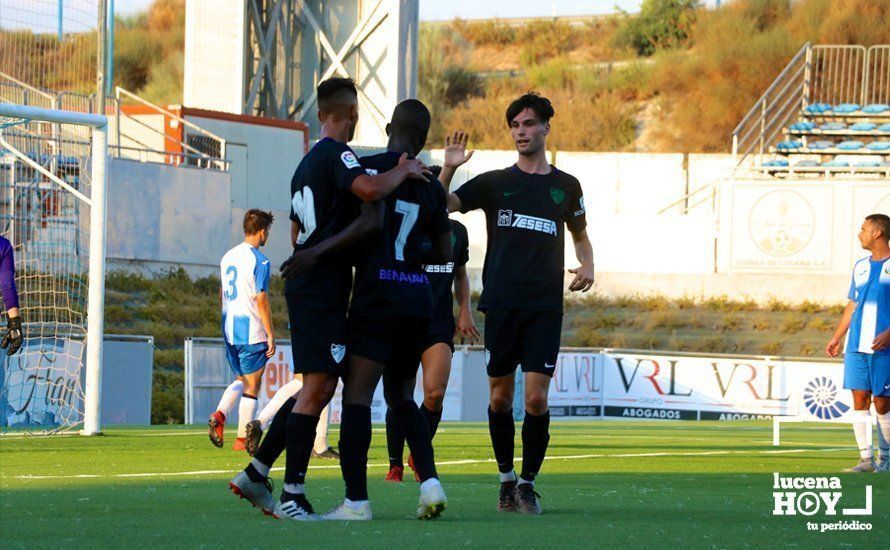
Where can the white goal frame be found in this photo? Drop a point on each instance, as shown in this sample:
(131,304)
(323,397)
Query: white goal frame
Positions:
(96,201)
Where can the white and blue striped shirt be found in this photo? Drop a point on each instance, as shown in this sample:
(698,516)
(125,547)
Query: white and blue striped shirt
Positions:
(244,273)
(870,289)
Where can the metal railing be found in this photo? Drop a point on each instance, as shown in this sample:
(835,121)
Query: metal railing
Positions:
(209,160)
(212,156)
(778,105)
(837,74)
(877,75)
(816,74)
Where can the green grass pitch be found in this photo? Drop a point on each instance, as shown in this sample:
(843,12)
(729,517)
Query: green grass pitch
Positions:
(635,484)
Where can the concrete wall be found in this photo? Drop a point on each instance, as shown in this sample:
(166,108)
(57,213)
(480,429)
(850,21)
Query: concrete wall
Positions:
(160,214)
(715,248)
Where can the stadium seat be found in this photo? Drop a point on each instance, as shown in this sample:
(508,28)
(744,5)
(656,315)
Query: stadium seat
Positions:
(867,164)
(776,163)
(878,146)
(802,126)
(876,108)
(884,127)
(850,145)
(817,108)
(845,108)
(789,145)
(835,164)
(821,145)
(833,126)
(807,164)
(863,127)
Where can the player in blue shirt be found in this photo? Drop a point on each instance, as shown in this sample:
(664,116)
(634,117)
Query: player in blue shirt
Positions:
(246,324)
(13,338)
(866,322)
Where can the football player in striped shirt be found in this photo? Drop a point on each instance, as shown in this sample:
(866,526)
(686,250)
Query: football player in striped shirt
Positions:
(246,325)
(866,322)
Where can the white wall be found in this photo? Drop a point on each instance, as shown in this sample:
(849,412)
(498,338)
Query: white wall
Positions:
(158,213)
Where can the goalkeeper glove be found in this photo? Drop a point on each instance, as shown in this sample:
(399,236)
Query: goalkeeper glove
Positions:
(13,337)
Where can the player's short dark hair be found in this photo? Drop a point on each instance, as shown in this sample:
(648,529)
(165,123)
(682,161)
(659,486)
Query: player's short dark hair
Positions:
(411,122)
(256,220)
(336,95)
(882,222)
(537,103)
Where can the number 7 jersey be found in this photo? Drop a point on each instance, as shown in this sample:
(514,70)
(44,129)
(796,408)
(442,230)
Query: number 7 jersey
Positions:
(389,276)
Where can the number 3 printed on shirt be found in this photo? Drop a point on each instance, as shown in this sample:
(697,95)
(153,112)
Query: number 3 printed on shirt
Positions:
(232,291)
(303,204)
(409,212)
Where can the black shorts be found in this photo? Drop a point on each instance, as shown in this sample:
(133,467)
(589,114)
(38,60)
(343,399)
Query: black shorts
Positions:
(317,335)
(440,331)
(396,342)
(521,337)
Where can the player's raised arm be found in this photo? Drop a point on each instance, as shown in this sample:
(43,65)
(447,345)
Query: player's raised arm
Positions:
(456,155)
(371,188)
(369,221)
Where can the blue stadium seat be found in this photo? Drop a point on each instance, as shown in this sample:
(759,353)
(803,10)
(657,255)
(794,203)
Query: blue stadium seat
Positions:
(879,146)
(850,145)
(821,145)
(833,126)
(789,145)
(845,108)
(867,164)
(835,164)
(884,127)
(802,126)
(817,108)
(863,127)
(876,108)
(807,164)
(776,163)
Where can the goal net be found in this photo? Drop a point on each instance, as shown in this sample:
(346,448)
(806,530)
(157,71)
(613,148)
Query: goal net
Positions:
(51,149)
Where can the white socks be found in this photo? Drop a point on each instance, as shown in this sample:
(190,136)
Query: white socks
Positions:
(246,411)
(229,397)
(260,467)
(321,432)
(295,488)
(509,476)
(884,433)
(861,425)
(284,393)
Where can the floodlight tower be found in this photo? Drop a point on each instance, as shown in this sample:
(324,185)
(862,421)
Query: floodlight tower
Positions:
(265,57)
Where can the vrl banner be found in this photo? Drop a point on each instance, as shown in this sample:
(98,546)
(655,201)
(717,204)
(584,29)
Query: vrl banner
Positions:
(695,388)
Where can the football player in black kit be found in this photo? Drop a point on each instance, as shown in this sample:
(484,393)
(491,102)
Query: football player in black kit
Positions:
(438,345)
(389,316)
(327,191)
(526,206)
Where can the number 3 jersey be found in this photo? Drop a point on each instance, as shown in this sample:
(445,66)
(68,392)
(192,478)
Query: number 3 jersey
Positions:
(389,275)
(322,204)
(244,273)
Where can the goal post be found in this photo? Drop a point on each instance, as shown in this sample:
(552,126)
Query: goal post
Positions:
(22,124)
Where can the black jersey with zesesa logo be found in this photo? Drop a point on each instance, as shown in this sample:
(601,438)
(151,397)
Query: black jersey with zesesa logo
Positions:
(442,275)
(389,275)
(323,205)
(525,214)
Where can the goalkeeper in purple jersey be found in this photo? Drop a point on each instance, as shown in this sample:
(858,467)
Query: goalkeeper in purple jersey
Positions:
(12,338)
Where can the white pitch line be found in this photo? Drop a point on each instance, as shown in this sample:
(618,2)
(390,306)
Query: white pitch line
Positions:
(443,463)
